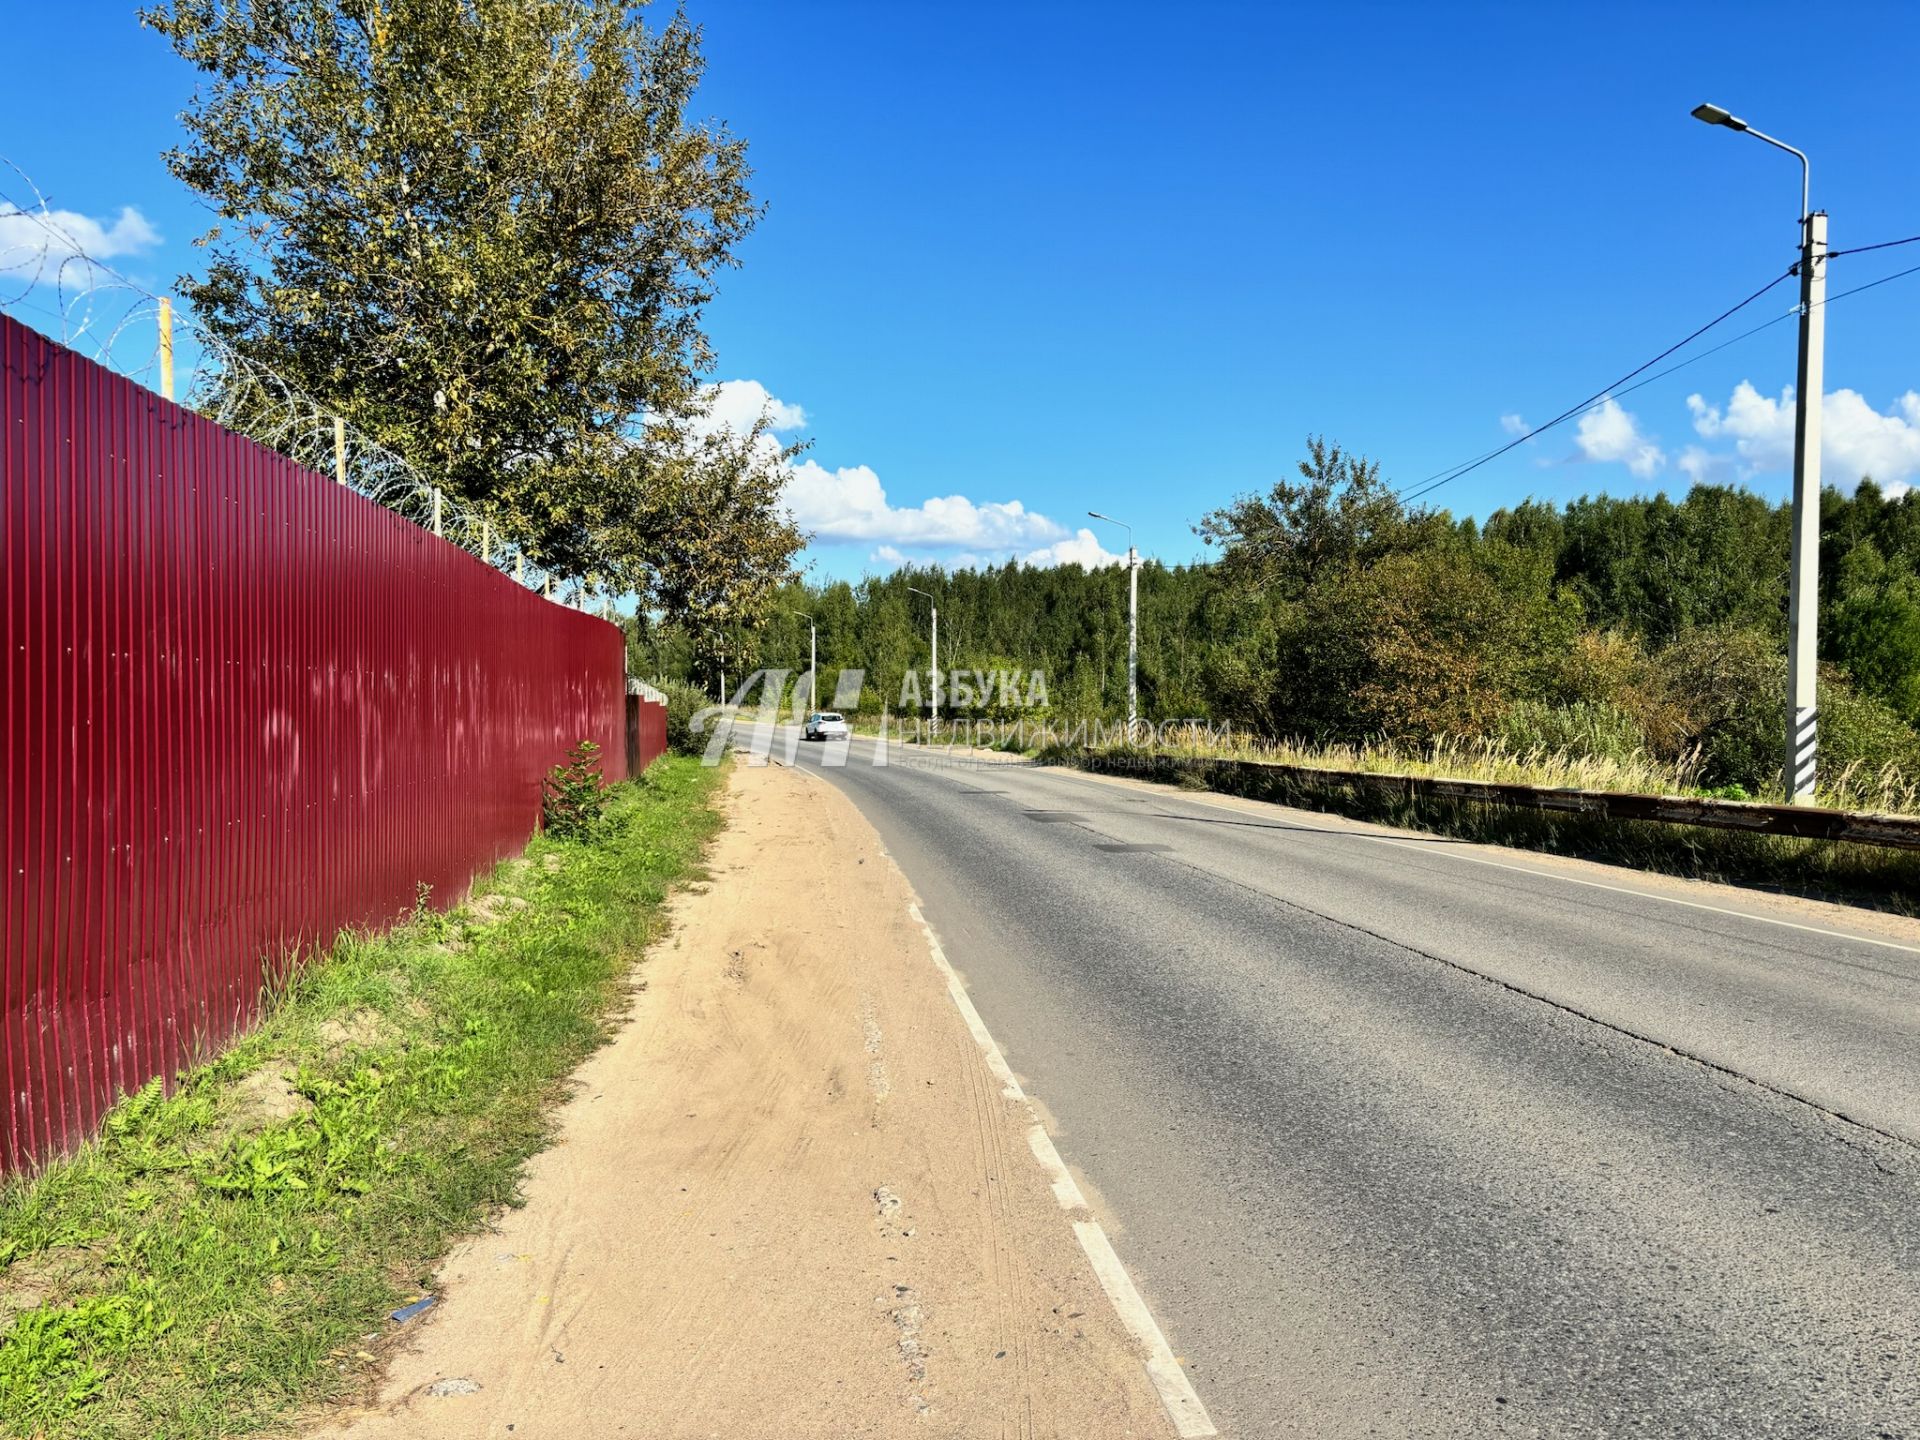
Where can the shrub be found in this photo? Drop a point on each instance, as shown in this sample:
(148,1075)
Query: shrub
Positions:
(1613,669)
(1869,756)
(1729,685)
(684,701)
(574,796)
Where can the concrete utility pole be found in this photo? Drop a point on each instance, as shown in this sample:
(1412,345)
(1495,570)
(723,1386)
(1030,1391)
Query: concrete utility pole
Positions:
(935,674)
(1803,604)
(1133,622)
(813,664)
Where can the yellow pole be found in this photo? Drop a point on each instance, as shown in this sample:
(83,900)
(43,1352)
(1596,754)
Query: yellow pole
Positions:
(339,450)
(166,347)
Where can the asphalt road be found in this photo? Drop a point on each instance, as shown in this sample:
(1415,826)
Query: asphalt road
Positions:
(1407,1137)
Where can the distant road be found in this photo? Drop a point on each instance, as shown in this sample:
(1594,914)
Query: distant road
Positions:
(1404,1136)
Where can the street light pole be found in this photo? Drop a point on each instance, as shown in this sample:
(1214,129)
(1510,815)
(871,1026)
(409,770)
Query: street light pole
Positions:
(1133,622)
(1803,604)
(813,664)
(935,673)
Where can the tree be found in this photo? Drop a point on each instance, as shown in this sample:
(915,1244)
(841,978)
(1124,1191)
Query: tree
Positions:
(1873,627)
(711,523)
(1341,514)
(1450,640)
(485,231)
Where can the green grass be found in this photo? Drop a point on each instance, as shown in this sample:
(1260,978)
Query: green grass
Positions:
(219,1254)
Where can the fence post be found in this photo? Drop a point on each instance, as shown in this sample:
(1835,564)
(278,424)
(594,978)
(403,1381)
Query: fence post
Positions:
(486,540)
(339,450)
(166,347)
(520,567)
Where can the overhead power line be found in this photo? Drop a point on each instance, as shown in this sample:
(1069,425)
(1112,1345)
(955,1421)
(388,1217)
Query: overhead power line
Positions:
(1898,274)
(1763,325)
(1445,477)
(1863,249)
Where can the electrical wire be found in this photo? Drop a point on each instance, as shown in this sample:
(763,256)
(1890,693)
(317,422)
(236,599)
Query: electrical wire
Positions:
(1871,284)
(1443,477)
(1448,476)
(1863,249)
(1764,325)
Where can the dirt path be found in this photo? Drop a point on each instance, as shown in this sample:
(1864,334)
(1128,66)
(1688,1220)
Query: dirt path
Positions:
(790,1200)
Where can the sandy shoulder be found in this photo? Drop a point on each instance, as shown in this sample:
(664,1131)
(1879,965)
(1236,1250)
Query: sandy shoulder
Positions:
(787,1201)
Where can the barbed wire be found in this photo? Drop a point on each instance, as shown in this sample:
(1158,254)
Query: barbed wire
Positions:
(49,282)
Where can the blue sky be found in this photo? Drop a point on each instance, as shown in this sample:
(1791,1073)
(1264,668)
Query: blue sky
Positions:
(1020,261)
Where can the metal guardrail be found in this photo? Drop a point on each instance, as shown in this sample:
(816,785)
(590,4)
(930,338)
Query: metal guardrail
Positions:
(1806,822)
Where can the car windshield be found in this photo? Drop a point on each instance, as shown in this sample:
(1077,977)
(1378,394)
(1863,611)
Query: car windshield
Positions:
(829,717)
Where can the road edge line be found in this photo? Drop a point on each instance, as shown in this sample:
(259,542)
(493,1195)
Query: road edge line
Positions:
(1164,1373)
(1219,800)
(1189,1416)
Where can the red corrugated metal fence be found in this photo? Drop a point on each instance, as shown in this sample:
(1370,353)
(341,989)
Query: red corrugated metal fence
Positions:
(245,707)
(646,732)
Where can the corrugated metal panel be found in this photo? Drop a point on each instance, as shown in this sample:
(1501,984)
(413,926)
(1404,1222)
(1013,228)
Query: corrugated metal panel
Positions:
(244,708)
(646,731)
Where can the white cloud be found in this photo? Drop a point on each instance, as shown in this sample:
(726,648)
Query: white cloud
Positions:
(53,245)
(1855,439)
(1082,549)
(1514,425)
(1609,433)
(735,404)
(848,504)
(1702,466)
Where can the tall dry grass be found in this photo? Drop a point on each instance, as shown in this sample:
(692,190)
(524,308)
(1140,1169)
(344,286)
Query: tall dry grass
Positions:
(1886,791)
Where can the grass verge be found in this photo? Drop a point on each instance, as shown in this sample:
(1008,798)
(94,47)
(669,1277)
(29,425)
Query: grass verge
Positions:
(224,1253)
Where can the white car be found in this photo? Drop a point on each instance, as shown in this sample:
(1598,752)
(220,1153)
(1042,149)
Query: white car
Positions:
(825,725)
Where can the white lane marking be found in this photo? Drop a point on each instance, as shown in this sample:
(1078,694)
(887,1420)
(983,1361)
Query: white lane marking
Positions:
(1065,1190)
(1424,848)
(996,1062)
(1189,1416)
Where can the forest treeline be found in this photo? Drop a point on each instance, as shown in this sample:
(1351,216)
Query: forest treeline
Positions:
(1336,613)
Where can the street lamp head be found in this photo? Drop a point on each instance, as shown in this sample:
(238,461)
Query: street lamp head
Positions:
(1714,115)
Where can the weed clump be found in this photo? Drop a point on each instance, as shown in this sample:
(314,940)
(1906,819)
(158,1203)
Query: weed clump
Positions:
(573,800)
